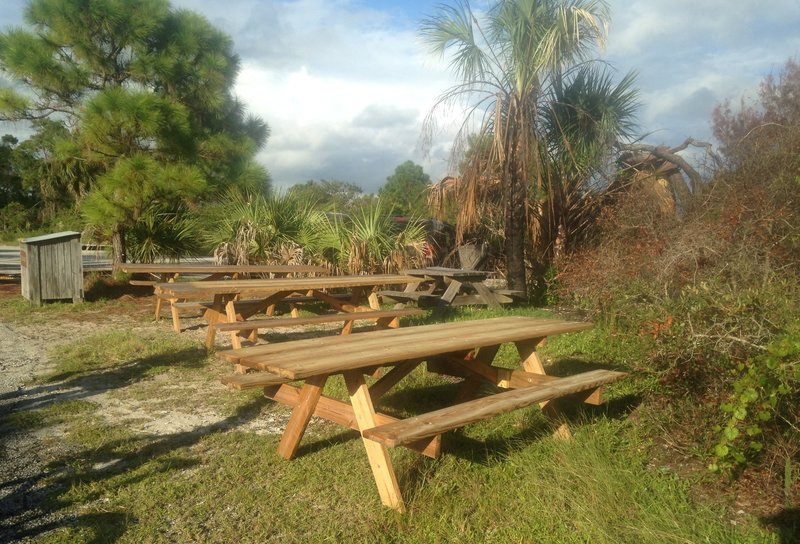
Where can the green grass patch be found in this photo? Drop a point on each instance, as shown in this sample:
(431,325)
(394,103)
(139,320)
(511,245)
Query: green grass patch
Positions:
(119,356)
(491,485)
(19,310)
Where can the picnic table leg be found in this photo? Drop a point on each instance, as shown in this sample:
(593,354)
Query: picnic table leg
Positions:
(164,279)
(214,316)
(532,363)
(310,394)
(230,314)
(374,301)
(176,316)
(377,453)
(452,290)
(487,295)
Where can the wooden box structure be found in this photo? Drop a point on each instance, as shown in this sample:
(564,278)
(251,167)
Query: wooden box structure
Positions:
(52,267)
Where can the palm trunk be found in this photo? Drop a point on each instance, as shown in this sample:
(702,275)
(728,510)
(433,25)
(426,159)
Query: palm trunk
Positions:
(515,230)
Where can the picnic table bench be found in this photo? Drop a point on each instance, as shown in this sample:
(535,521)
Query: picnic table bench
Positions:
(462,349)
(383,318)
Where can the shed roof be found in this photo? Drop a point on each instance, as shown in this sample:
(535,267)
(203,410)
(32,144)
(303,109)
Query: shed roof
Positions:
(68,234)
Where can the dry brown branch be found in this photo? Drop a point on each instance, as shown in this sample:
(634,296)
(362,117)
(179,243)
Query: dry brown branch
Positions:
(671,155)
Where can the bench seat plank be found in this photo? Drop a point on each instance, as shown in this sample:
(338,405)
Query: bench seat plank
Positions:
(317,319)
(204,290)
(252,380)
(439,421)
(421,298)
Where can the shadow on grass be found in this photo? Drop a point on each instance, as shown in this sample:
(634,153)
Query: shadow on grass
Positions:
(307,447)
(786,524)
(106,288)
(33,504)
(105,527)
(79,385)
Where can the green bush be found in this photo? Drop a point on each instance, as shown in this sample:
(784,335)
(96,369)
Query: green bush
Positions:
(765,397)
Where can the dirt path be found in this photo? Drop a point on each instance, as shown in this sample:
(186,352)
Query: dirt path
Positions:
(27,352)
(22,466)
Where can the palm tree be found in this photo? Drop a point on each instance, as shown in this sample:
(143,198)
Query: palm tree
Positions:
(514,65)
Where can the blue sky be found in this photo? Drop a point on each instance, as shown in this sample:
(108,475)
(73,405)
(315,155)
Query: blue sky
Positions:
(345,84)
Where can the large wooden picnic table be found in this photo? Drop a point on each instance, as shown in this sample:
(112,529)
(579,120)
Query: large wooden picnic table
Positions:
(226,297)
(462,349)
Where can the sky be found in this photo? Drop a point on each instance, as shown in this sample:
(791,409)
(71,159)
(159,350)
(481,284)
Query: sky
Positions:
(346,84)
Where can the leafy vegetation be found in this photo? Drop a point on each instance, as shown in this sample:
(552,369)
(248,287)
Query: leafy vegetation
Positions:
(368,240)
(330,196)
(277,228)
(406,191)
(547,114)
(712,290)
(133,106)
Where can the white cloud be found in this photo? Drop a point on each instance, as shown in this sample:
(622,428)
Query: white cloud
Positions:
(692,55)
(345,84)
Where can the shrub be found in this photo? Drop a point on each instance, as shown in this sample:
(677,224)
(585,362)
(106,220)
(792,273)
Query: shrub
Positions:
(716,288)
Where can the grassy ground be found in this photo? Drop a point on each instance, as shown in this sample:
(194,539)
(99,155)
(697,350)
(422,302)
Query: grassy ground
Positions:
(503,480)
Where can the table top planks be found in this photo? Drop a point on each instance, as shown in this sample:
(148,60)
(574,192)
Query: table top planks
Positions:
(194,268)
(329,355)
(257,287)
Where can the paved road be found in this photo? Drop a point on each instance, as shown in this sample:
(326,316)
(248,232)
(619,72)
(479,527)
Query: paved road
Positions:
(93,260)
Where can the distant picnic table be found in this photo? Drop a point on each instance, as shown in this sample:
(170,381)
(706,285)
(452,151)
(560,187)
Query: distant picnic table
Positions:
(438,285)
(164,272)
(171,272)
(463,349)
(229,304)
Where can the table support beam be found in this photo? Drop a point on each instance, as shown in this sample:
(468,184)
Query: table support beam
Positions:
(342,413)
(379,460)
(532,363)
(298,421)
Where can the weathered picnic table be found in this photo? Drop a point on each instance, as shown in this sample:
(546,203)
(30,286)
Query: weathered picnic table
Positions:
(224,303)
(437,285)
(462,349)
(166,272)
(170,272)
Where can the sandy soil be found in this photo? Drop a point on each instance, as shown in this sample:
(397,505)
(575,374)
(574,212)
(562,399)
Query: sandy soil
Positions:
(29,351)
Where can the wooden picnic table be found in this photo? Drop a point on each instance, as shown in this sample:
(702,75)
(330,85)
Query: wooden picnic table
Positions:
(438,285)
(166,272)
(463,349)
(225,304)
(170,272)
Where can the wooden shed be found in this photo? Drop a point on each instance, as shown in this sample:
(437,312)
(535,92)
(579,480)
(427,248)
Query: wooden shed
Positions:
(52,267)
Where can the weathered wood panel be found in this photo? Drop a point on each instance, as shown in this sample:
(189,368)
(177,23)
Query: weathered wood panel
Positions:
(52,268)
